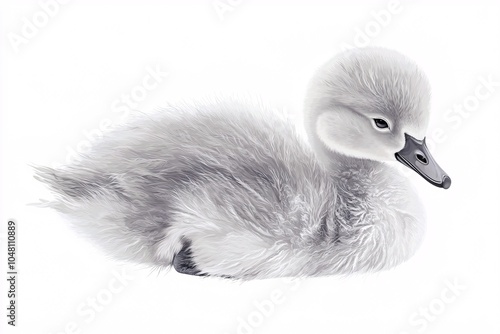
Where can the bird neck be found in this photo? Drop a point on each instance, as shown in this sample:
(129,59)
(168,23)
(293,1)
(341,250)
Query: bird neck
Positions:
(334,160)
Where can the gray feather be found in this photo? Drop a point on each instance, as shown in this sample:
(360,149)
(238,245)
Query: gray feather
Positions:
(236,182)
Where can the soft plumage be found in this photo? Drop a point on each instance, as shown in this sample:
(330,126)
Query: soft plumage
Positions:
(230,189)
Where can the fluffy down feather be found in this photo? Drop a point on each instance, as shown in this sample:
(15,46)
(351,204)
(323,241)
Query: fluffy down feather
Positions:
(238,185)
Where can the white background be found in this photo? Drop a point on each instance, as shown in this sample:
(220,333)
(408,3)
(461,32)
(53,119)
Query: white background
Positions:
(64,80)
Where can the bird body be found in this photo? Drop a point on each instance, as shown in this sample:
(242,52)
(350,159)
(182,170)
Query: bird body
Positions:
(230,189)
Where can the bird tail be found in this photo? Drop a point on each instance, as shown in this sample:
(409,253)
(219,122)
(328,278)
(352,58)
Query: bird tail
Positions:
(95,208)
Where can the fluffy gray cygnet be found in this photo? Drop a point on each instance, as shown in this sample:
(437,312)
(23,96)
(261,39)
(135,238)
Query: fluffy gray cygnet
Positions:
(230,189)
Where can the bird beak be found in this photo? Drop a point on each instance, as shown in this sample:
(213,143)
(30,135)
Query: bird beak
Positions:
(416,155)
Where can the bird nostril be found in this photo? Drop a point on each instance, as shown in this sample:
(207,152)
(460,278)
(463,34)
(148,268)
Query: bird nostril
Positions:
(421,158)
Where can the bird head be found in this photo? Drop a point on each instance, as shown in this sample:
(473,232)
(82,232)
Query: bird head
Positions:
(373,103)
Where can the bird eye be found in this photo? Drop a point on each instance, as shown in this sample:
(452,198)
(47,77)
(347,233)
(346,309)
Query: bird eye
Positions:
(380,123)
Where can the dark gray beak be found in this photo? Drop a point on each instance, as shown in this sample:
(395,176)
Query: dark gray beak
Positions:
(416,155)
